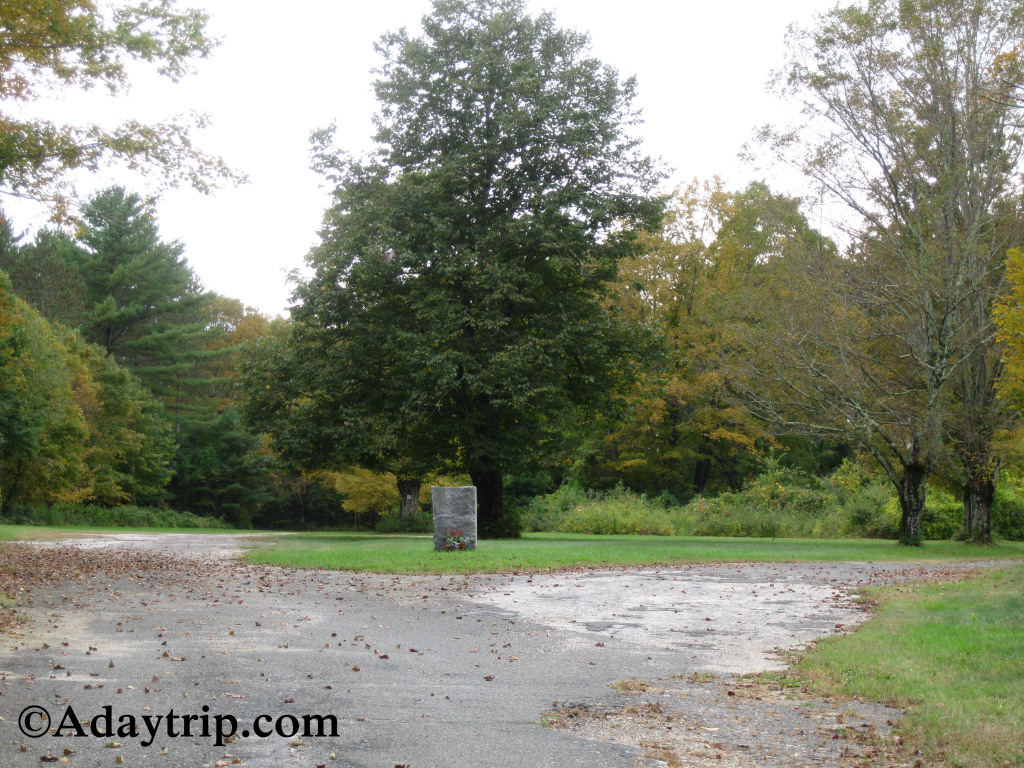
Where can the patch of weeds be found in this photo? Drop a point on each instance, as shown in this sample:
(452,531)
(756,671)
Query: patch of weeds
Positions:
(861,598)
(865,733)
(696,677)
(562,715)
(783,681)
(551,720)
(630,687)
(651,714)
(663,753)
(654,708)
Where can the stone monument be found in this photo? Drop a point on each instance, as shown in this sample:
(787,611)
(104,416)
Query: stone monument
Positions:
(454,511)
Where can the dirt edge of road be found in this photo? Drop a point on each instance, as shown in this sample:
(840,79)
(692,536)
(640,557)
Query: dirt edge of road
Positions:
(738,722)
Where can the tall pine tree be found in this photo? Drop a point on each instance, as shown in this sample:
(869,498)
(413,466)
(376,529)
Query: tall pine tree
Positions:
(144,304)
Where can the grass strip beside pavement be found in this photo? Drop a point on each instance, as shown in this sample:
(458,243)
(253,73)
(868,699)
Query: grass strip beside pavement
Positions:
(951,655)
(548,551)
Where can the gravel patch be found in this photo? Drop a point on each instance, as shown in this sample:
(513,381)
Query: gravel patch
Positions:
(737,723)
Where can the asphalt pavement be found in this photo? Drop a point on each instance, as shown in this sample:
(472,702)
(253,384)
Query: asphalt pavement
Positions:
(311,668)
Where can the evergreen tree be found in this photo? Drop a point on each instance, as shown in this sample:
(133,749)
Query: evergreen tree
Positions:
(217,473)
(45,274)
(144,304)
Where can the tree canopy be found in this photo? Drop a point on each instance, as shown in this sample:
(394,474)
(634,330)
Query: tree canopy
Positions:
(152,360)
(911,129)
(74,426)
(49,45)
(693,284)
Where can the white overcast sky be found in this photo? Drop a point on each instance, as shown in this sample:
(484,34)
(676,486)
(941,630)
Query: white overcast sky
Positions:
(283,70)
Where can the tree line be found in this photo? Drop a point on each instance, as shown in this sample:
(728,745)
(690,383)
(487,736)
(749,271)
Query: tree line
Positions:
(501,290)
(489,278)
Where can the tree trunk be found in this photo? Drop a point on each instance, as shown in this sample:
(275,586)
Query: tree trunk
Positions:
(492,521)
(911,492)
(7,503)
(409,494)
(701,475)
(735,479)
(978,496)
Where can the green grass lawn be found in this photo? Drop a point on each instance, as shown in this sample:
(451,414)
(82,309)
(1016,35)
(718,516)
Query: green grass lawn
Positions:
(951,654)
(554,551)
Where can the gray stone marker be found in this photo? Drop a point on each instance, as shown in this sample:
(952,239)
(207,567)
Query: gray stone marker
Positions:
(454,508)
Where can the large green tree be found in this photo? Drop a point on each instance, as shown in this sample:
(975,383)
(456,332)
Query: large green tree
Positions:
(456,295)
(129,444)
(50,45)
(217,472)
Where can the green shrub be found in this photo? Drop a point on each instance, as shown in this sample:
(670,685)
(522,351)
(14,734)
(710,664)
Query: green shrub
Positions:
(509,527)
(782,502)
(617,517)
(570,509)
(854,501)
(943,514)
(872,512)
(667,500)
(833,524)
(729,515)
(779,503)
(1008,510)
(545,513)
(866,501)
